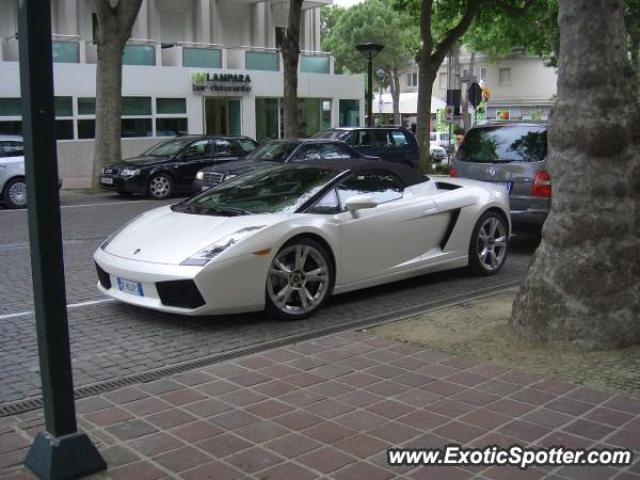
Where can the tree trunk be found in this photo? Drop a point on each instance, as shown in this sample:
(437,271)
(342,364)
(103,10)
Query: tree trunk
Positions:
(583,284)
(290,55)
(395,95)
(466,116)
(107,147)
(113,30)
(426,77)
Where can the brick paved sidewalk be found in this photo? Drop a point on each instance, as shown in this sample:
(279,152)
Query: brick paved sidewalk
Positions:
(329,408)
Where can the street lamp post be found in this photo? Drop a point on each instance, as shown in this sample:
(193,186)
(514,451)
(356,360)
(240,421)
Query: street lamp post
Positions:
(380,73)
(369,50)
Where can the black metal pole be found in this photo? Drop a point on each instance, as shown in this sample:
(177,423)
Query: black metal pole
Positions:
(370,92)
(60,452)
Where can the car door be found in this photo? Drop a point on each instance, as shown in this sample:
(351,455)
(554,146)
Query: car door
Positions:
(405,148)
(390,238)
(191,159)
(368,142)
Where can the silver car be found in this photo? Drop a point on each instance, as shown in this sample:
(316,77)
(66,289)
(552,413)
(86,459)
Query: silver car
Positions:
(513,154)
(13,189)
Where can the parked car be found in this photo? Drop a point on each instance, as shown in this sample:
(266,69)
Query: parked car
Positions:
(171,166)
(280,151)
(442,139)
(438,153)
(13,188)
(392,144)
(285,237)
(514,155)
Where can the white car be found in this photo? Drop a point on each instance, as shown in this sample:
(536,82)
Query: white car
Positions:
(286,237)
(438,153)
(13,188)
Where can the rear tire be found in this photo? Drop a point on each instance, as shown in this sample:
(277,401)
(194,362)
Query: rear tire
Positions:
(300,280)
(489,244)
(15,193)
(160,186)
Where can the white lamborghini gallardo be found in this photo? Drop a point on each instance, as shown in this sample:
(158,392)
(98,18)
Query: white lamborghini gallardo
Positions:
(286,237)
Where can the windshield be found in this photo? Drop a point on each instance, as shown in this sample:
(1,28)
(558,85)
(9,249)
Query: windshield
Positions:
(330,134)
(278,189)
(273,151)
(167,149)
(504,144)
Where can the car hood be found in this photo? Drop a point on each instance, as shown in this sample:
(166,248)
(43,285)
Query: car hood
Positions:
(142,161)
(164,236)
(238,167)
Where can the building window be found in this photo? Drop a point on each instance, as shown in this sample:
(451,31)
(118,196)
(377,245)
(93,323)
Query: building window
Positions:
(504,77)
(349,113)
(443,81)
(139,55)
(10,107)
(86,129)
(412,79)
(136,127)
(267,122)
(86,106)
(171,105)
(65,52)
(315,64)
(64,118)
(171,117)
(136,106)
(10,127)
(483,73)
(201,57)
(266,61)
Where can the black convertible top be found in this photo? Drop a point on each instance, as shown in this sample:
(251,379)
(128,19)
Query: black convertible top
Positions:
(408,176)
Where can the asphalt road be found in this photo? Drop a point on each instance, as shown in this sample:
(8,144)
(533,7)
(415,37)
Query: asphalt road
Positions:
(110,340)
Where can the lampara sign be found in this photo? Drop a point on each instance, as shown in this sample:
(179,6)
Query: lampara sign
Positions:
(203,82)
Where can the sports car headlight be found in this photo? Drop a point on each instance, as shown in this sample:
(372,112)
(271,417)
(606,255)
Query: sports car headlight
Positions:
(203,257)
(129,172)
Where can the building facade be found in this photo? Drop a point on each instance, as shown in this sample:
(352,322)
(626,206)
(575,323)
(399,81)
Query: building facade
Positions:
(521,87)
(191,66)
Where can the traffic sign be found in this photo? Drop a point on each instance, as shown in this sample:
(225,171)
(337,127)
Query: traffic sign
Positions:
(474,94)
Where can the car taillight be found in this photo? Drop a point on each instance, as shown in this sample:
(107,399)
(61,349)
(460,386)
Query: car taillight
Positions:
(453,172)
(541,184)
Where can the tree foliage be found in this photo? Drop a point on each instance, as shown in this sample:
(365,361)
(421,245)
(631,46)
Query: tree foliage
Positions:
(370,21)
(378,22)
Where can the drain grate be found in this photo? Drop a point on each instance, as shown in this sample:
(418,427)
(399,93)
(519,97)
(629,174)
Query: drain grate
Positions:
(84,391)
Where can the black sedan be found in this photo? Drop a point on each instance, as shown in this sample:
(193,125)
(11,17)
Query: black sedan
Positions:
(171,166)
(280,151)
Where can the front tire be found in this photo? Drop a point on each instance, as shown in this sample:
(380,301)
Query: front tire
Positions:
(15,193)
(300,280)
(160,186)
(489,244)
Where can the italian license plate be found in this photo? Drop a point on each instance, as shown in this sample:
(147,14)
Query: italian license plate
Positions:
(131,287)
(106,181)
(506,185)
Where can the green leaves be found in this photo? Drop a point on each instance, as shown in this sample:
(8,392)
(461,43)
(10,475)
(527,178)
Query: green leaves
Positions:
(370,21)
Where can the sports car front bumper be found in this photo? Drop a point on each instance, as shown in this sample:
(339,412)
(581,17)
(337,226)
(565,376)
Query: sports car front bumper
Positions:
(235,285)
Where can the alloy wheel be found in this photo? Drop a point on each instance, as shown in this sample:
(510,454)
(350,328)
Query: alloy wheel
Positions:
(492,243)
(160,187)
(298,279)
(18,194)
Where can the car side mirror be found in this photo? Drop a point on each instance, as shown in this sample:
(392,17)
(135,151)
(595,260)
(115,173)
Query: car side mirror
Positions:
(360,202)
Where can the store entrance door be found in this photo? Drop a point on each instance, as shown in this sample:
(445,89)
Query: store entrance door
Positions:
(222,116)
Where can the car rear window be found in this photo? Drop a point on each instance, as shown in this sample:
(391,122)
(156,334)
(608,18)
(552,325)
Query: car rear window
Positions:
(504,144)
